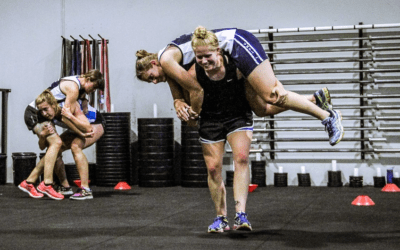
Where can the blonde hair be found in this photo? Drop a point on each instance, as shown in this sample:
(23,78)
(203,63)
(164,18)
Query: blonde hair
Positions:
(47,96)
(96,77)
(204,37)
(143,62)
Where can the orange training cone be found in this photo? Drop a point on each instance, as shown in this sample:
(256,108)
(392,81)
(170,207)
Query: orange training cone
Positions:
(363,200)
(390,187)
(252,187)
(122,186)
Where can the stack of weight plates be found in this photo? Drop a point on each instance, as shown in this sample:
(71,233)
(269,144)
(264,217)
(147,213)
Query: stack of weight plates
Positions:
(229,178)
(113,150)
(304,180)
(92,173)
(23,164)
(258,174)
(280,180)
(193,166)
(72,173)
(379,181)
(335,179)
(156,152)
(396,180)
(3,166)
(356,181)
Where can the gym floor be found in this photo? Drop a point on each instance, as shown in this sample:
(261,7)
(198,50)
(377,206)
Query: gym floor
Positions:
(177,218)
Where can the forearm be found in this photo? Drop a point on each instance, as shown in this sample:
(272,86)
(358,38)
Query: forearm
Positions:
(196,100)
(186,82)
(82,125)
(72,127)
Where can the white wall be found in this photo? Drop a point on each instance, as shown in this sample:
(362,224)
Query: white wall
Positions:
(30,43)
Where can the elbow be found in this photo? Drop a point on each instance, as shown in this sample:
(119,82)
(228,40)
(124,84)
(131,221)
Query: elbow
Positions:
(198,91)
(88,129)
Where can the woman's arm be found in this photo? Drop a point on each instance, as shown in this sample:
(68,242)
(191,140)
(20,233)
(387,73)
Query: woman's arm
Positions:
(171,67)
(181,104)
(71,91)
(78,119)
(75,129)
(192,75)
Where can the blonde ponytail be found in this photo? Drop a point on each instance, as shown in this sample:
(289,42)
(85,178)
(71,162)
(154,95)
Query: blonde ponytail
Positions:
(204,37)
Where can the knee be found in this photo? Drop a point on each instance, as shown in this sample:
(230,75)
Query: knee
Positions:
(214,169)
(56,142)
(276,94)
(76,148)
(241,159)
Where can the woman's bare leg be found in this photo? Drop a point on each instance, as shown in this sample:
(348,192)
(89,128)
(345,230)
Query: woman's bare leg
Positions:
(213,154)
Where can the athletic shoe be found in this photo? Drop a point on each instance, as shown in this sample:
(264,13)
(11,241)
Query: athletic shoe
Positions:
(49,191)
(219,225)
(323,99)
(241,222)
(82,194)
(333,124)
(64,190)
(30,189)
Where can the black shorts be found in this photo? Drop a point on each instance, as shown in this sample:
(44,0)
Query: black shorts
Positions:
(212,131)
(100,120)
(32,118)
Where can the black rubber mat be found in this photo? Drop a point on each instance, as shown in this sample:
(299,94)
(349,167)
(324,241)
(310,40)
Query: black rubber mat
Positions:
(177,218)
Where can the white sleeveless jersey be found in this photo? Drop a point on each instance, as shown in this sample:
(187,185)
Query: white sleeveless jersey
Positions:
(57,92)
(225,40)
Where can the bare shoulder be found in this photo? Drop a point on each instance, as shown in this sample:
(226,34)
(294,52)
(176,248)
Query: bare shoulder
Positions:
(68,85)
(172,53)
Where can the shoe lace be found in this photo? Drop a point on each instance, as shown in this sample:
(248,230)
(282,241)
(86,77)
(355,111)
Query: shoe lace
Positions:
(217,222)
(330,128)
(241,217)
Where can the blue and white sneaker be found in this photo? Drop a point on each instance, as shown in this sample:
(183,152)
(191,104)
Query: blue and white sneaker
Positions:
(323,99)
(219,225)
(333,124)
(241,222)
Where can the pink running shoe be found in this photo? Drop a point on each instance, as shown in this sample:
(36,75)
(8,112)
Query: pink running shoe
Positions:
(30,189)
(49,191)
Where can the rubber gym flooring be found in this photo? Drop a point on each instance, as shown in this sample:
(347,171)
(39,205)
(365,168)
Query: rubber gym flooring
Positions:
(177,218)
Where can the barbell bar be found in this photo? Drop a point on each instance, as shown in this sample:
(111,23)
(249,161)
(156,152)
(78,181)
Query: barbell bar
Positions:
(309,118)
(335,70)
(287,129)
(334,60)
(340,81)
(378,106)
(310,150)
(326,28)
(340,39)
(371,139)
(333,49)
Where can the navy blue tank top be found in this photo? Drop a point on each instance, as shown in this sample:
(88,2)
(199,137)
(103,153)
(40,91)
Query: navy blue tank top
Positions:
(225,98)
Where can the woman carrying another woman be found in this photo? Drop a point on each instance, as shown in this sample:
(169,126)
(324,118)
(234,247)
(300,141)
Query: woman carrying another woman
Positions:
(225,116)
(173,61)
(41,116)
